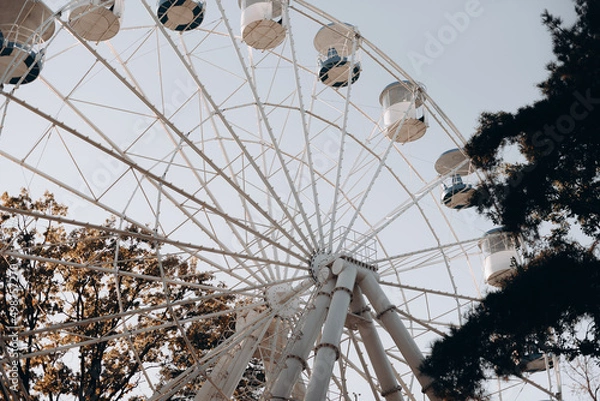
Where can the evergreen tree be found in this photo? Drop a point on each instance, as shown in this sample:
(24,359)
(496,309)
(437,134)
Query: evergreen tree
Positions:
(550,196)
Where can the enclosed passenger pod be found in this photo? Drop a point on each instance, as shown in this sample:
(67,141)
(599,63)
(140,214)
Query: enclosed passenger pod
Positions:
(181,15)
(337,45)
(262,23)
(455,194)
(97,20)
(499,249)
(536,362)
(403,111)
(24,26)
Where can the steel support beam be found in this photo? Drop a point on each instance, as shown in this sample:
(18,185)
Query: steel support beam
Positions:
(328,348)
(295,361)
(386,313)
(230,368)
(390,389)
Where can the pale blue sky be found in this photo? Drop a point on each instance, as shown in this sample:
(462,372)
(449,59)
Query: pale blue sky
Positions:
(490,61)
(493,64)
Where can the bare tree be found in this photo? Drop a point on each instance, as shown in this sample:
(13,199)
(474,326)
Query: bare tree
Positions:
(584,373)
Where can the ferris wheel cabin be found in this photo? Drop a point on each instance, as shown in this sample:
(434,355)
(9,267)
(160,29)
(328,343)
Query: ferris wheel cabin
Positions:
(456,194)
(403,111)
(337,45)
(500,251)
(97,20)
(24,25)
(262,23)
(536,362)
(180,15)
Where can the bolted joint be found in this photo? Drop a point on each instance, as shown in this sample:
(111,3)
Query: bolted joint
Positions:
(300,359)
(329,345)
(386,310)
(344,289)
(393,390)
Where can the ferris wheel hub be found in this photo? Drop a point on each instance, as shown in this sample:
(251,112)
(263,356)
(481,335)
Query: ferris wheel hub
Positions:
(320,266)
(283,299)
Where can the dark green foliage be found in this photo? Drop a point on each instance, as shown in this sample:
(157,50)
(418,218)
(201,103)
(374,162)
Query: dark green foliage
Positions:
(542,180)
(557,136)
(536,311)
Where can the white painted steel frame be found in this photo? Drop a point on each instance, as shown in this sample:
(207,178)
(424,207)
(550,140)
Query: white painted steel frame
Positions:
(278,237)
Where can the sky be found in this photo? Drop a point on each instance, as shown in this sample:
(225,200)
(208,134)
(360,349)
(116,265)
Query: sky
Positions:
(490,61)
(472,56)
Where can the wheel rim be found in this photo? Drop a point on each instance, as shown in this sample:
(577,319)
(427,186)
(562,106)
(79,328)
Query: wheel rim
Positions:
(244,162)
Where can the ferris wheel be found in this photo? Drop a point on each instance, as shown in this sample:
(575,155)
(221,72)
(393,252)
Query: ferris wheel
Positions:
(272,146)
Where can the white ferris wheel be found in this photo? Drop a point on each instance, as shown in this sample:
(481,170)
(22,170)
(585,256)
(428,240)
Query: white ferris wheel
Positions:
(269,144)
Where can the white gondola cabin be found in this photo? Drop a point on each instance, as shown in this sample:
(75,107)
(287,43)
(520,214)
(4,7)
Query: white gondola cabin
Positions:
(455,194)
(24,26)
(262,23)
(404,114)
(535,362)
(181,15)
(500,255)
(97,20)
(337,45)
